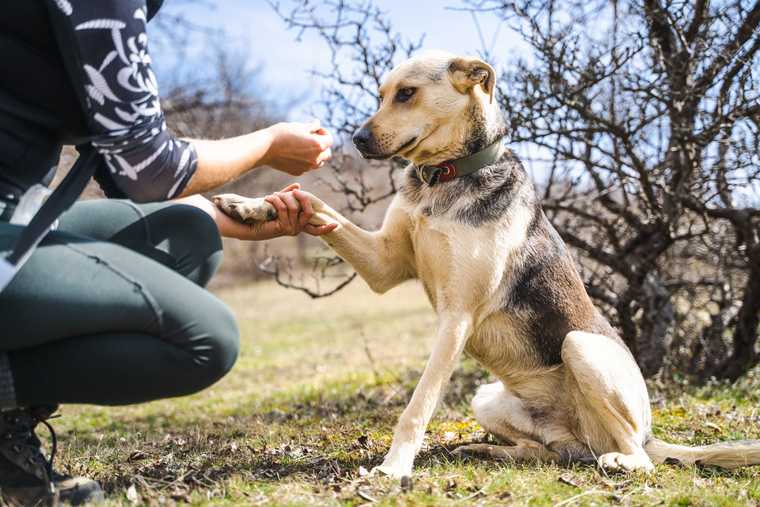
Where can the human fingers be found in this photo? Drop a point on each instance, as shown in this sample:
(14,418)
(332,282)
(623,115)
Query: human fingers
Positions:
(324,156)
(293,208)
(283,214)
(324,138)
(291,187)
(319,230)
(307,211)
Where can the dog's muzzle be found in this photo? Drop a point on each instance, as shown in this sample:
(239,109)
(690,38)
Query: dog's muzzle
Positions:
(362,140)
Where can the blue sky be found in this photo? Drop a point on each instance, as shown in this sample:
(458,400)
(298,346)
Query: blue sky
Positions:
(286,63)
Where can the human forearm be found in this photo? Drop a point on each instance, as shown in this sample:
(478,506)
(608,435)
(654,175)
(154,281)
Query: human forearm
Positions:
(225,160)
(228,227)
(294,148)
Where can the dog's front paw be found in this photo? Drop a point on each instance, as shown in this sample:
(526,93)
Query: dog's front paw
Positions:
(245,209)
(391,471)
(396,468)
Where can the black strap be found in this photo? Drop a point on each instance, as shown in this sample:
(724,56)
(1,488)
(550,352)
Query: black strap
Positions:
(59,201)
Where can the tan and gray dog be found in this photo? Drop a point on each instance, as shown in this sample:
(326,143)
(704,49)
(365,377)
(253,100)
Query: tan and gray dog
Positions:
(468,224)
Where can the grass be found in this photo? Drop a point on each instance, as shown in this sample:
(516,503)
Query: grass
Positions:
(313,400)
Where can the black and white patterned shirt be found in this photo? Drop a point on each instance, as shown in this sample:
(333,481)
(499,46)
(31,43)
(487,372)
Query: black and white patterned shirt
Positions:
(103,46)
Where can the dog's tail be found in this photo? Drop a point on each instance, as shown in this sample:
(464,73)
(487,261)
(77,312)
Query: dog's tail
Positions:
(725,454)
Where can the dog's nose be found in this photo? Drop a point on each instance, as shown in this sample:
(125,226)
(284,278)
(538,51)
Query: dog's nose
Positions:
(361,139)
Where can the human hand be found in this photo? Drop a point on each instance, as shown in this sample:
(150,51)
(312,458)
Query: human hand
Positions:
(294,211)
(284,213)
(297,148)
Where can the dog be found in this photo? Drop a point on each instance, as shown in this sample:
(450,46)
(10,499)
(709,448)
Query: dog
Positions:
(469,225)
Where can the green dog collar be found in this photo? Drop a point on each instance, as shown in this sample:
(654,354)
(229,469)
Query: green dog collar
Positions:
(451,169)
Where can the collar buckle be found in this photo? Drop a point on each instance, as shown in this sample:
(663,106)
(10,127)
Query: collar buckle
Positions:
(448,171)
(441,173)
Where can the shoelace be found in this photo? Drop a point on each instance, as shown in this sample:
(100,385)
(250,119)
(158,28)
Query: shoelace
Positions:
(53,449)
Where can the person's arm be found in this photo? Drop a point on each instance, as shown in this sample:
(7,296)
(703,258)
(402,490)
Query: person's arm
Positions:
(293,148)
(104,47)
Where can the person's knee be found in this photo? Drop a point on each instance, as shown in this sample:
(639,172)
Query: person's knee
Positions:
(196,241)
(214,346)
(224,344)
(195,224)
(201,224)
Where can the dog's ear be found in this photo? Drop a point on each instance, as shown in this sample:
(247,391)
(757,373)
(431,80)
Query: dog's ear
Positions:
(467,73)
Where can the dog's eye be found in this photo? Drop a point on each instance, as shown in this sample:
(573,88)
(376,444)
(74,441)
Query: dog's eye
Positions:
(405,94)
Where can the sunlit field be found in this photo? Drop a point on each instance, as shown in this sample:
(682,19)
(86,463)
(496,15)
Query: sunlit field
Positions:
(311,404)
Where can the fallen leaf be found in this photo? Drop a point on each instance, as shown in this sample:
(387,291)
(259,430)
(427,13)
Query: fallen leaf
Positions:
(137,456)
(132,495)
(450,436)
(569,480)
(365,496)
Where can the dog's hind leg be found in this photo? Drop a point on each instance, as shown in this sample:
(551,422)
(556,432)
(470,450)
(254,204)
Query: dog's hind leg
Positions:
(505,416)
(524,450)
(612,402)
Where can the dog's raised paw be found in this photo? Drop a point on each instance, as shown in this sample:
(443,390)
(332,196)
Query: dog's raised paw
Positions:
(245,209)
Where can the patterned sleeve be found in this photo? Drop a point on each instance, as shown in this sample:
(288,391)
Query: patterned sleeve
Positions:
(105,50)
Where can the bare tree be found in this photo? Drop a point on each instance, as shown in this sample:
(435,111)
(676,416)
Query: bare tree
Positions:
(364,47)
(647,112)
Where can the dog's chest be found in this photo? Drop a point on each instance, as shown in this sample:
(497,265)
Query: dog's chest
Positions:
(461,266)
(432,248)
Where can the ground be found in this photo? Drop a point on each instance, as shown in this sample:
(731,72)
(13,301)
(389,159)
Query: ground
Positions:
(312,402)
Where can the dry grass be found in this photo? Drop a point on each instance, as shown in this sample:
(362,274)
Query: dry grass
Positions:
(314,397)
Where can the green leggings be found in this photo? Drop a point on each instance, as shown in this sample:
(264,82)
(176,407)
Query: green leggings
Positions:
(111,309)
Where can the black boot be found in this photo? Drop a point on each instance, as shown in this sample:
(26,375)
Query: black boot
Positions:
(26,477)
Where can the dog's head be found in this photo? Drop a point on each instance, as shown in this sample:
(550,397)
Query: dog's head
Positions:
(434,107)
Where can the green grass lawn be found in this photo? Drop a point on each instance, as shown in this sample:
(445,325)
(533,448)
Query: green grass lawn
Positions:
(314,397)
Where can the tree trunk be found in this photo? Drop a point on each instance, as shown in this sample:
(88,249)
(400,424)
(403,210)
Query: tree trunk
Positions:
(744,355)
(647,336)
